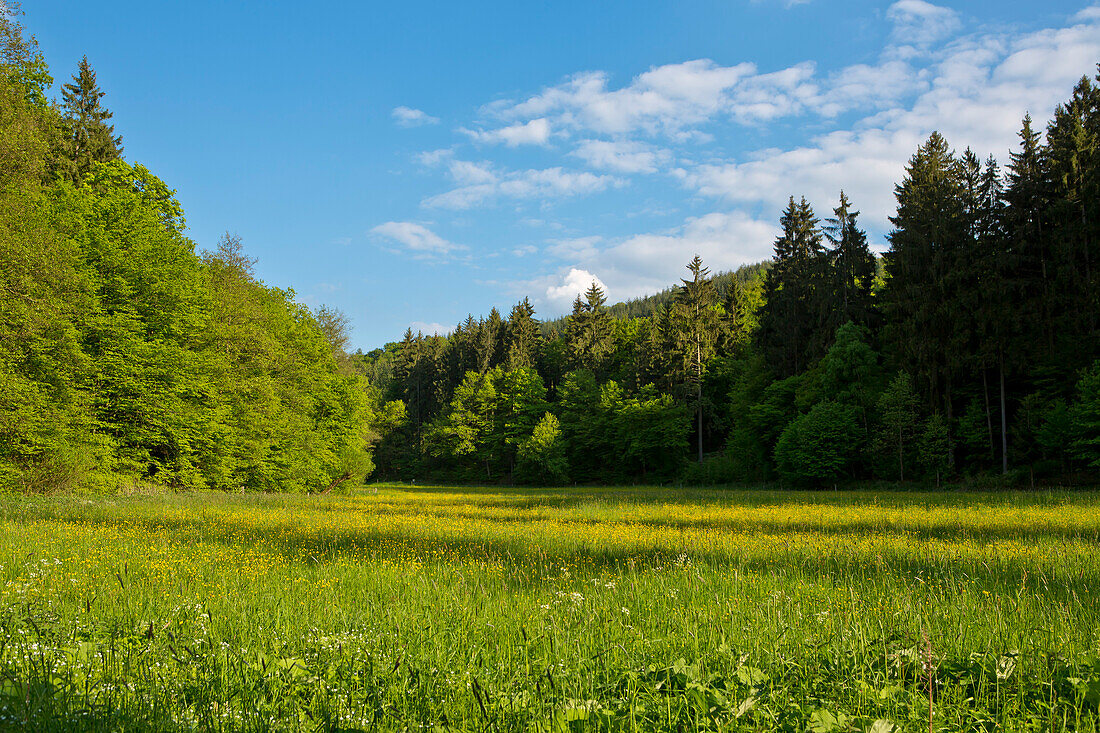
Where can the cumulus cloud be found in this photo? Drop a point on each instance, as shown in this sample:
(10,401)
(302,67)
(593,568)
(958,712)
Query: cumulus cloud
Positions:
(622,156)
(480,183)
(921,23)
(976,92)
(409,117)
(430,329)
(532,132)
(667,98)
(416,238)
(642,264)
(560,296)
(675,100)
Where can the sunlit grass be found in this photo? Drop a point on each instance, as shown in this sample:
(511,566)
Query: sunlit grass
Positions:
(490,609)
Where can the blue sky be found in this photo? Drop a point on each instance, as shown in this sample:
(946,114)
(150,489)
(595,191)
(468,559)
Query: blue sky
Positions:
(413,162)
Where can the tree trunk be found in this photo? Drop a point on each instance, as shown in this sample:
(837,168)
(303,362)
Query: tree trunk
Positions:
(1004,421)
(988,413)
(949,408)
(901,457)
(699,411)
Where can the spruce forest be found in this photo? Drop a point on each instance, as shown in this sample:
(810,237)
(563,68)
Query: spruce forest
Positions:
(969,350)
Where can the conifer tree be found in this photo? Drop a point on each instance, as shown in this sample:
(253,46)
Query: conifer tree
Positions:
(696,320)
(589,331)
(88,137)
(920,301)
(793,317)
(1025,226)
(1072,158)
(523,336)
(853,267)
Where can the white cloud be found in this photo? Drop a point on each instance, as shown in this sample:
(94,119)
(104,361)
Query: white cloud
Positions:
(1088,14)
(665,98)
(575,249)
(479,184)
(559,297)
(648,263)
(976,92)
(434,157)
(532,132)
(622,156)
(416,238)
(921,23)
(467,173)
(409,117)
(430,329)
(675,99)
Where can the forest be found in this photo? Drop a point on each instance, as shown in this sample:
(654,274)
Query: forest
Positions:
(969,350)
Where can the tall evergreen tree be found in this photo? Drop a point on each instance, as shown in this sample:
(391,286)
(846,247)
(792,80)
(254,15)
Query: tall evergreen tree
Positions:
(696,319)
(793,318)
(1025,226)
(853,267)
(1073,171)
(88,139)
(523,336)
(920,302)
(589,331)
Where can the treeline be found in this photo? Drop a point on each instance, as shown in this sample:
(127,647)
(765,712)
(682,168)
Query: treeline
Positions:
(123,352)
(970,348)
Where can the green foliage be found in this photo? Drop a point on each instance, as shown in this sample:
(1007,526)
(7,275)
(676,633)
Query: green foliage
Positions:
(1086,418)
(490,416)
(541,457)
(820,447)
(589,331)
(898,423)
(794,309)
(934,445)
(87,137)
(651,433)
(22,67)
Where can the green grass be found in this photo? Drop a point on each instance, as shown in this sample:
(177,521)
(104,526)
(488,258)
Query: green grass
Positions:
(435,608)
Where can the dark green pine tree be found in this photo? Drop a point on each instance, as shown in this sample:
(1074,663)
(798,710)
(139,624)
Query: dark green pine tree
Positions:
(919,301)
(88,138)
(853,267)
(1073,162)
(1026,196)
(491,345)
(793,317)
(523,336)
(992,291)
(734,331)
(589,331)
(697,321)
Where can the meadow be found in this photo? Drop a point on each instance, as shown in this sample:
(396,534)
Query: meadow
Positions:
(436,608)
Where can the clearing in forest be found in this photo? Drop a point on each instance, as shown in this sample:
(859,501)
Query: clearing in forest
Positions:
(438,608)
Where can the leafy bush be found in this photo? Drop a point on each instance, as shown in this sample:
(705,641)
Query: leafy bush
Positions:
(819,447)
(541,457)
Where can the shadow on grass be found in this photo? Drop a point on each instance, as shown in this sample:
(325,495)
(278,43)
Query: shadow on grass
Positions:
(529,564)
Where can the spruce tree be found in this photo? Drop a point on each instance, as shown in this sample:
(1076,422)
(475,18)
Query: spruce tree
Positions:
(1072,159)
(793,328)
(589,331)
(88,138)
(853,267)
(1025,226)
(523,336)
(696,321)
(920,301)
